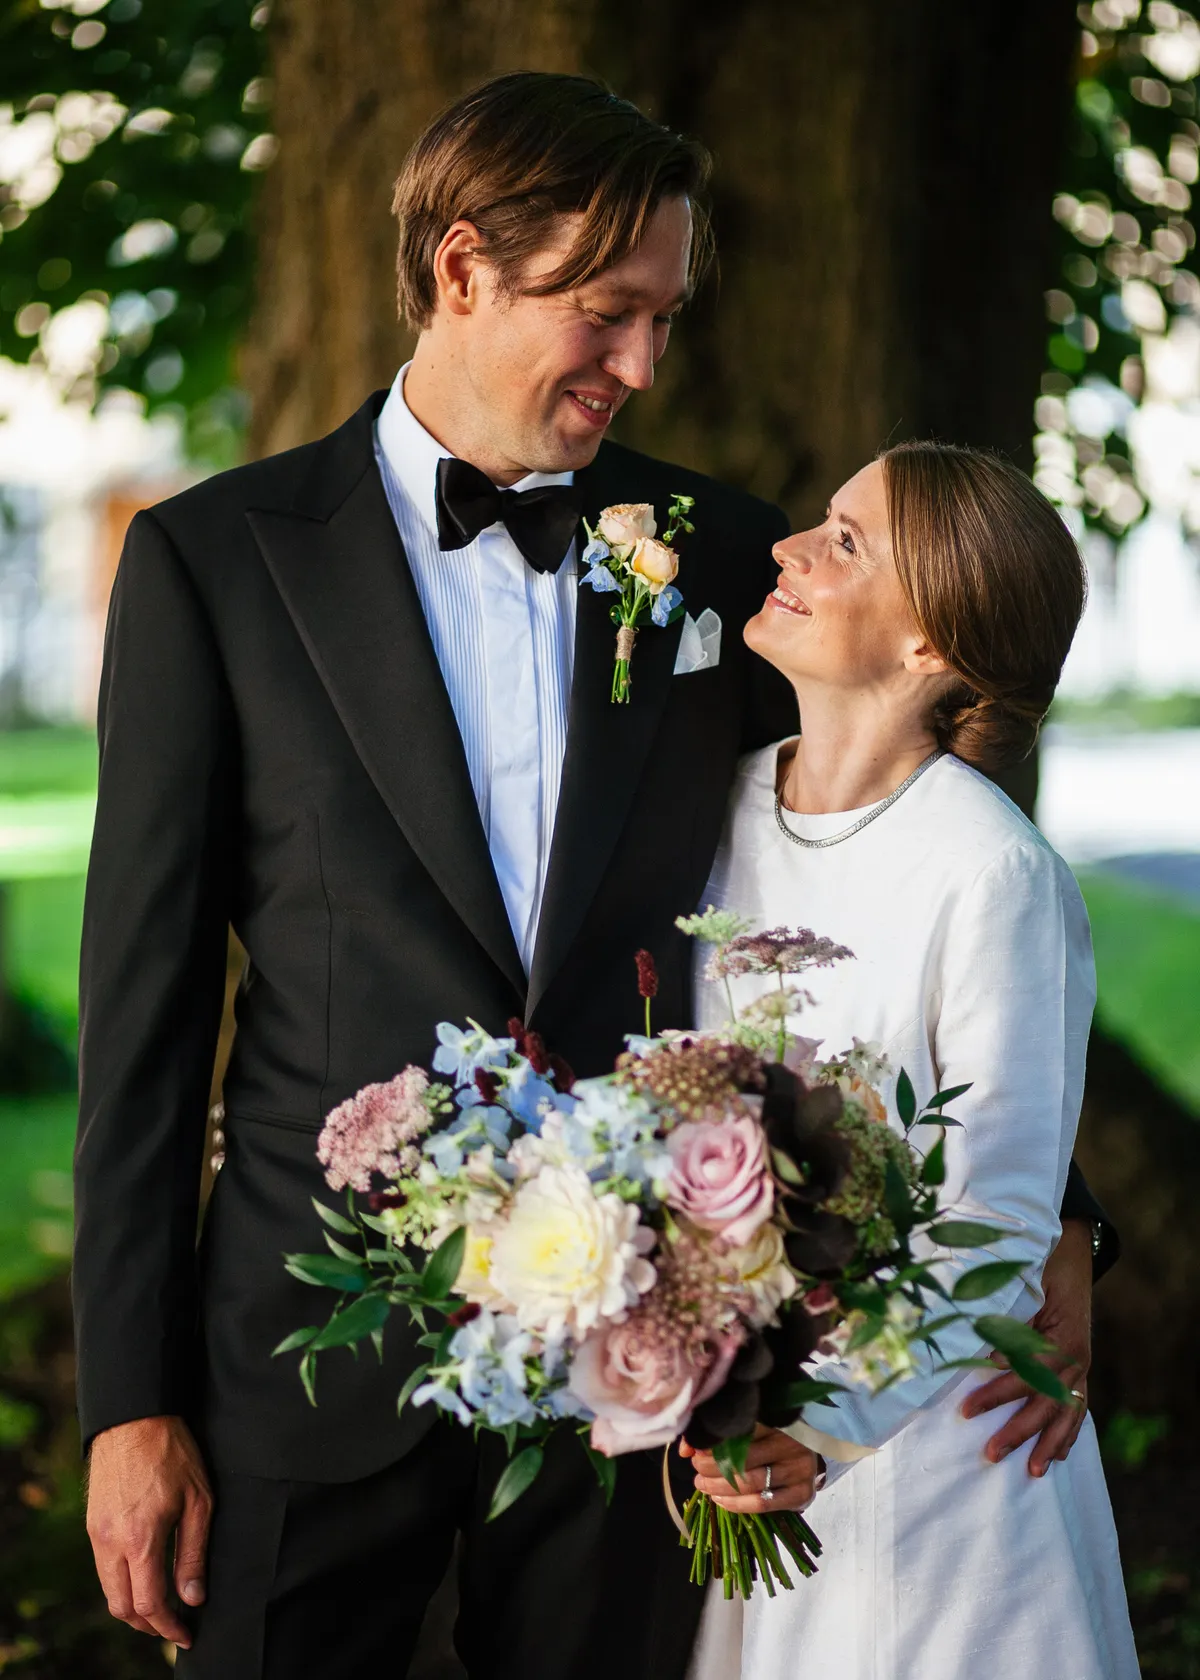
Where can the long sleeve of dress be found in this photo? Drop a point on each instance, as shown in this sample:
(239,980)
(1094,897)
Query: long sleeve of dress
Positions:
(1010,993)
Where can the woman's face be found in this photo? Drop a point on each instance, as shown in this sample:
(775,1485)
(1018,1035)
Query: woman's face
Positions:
(838,615)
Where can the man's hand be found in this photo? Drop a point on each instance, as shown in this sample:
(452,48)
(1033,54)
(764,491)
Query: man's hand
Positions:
(147,1482)
(1066,1320)
(793,1472)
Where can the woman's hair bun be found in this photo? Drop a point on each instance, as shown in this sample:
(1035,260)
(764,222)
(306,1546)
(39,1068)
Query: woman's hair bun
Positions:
(996,585)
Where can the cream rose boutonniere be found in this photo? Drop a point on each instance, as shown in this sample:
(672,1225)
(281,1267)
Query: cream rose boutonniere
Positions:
(626,557)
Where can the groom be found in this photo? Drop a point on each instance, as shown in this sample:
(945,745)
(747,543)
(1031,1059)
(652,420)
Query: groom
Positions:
(355,705)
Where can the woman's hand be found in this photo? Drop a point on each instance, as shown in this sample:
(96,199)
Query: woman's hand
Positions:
(794,1470)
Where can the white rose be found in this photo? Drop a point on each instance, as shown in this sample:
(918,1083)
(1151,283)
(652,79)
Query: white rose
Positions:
(655,562)
(627,523)
(567,1258)
(475,1274)
(762,1273)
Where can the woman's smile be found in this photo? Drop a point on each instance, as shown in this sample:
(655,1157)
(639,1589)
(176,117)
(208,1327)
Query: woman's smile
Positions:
(783,599)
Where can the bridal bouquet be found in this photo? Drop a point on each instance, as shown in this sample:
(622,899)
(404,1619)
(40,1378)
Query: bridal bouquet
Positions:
(661,1251)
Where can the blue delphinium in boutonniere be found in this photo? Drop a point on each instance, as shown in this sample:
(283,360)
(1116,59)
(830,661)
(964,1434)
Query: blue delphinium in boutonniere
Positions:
(626,557)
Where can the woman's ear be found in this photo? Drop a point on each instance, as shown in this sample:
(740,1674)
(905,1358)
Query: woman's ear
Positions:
(923,661)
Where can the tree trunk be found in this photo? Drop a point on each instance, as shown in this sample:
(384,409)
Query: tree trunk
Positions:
(882,191)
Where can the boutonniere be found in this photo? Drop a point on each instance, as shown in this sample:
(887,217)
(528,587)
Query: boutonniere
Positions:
(626,556)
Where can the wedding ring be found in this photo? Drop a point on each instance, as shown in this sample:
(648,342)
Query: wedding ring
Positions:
(1078,1394)
(767,1492)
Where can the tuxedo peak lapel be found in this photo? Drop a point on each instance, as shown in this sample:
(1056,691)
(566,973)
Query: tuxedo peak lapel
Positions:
(608,746)
(346,583)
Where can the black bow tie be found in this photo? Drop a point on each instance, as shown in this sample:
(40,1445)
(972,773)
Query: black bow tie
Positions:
(541,521)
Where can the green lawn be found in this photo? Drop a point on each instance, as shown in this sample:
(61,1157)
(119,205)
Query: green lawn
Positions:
(37,1135)
(1148,970)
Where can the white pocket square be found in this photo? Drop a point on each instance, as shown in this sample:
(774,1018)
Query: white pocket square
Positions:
(700,643)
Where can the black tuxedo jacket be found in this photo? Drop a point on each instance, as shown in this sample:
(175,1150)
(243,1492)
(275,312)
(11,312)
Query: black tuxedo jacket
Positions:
(278,752)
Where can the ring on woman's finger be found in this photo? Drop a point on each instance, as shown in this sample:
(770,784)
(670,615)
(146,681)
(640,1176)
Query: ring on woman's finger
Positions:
(768,1492)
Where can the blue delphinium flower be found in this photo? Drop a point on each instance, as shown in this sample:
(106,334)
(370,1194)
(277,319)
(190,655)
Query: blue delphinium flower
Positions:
(462,1053)
(528,1096)
(601,580)
(491,1351)
(596,552)
(445,1399)
(664,605)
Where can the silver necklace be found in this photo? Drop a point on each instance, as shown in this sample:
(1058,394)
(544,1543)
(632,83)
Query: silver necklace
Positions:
(875,811)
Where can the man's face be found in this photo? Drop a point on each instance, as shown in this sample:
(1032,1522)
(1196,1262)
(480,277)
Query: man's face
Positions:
(547,374)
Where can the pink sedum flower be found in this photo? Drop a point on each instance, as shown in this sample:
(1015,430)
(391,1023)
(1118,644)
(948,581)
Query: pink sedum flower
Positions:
(719,1178)
(372,1131)
(643,1386)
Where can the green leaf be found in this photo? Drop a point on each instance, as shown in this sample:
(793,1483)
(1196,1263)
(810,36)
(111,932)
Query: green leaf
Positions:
(354,1323)
(411,1385)
(520,1474)
(897,1199)
(442,1271)
(982,1281)
(327,1272)
(965,1233)
(809,1392)
(1040,1378)
(336,1221)
(934,1169)
(342,1252)
(731,1455)
(906,1102)
(1011,1337)
(865,1333)
(786,1168)
(944,1097)
(606,1471)
(928,1331)
(297,1339)
(308,1376)
(377,1344)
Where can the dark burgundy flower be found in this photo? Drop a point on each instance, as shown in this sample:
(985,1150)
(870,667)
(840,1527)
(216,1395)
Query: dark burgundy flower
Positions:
(531,1045)
(380,1199)
(823,1244)
(647,975)
(464,1314)
(563,1072)
(487,1085)
(733,1409)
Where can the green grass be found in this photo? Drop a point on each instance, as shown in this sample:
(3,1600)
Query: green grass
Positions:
(37,1135)
(34,761)
(1126,711)
(1148,972)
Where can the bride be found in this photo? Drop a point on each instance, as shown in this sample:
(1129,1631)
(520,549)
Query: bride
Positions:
(924,627)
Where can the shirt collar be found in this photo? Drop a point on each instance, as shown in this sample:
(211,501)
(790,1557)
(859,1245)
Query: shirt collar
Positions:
(413,454)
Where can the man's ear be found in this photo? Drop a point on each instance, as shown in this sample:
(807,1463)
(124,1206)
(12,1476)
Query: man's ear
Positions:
(456,265)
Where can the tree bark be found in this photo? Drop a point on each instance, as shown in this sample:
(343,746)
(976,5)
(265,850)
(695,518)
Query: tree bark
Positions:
(882,193)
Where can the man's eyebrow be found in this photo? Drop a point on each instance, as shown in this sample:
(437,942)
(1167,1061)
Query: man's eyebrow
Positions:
(633,295)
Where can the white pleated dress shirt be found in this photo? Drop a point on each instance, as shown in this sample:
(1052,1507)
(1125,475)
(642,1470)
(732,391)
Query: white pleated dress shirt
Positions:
(504,636)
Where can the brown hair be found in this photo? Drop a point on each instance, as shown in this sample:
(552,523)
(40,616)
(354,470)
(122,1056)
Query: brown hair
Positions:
(525,149)
(995,584)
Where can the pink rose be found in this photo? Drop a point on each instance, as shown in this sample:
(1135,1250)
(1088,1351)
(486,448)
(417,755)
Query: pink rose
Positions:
(644,1383)
(719,1176)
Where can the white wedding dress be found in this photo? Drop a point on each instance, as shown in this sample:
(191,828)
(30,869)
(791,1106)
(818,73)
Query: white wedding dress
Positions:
(972,963)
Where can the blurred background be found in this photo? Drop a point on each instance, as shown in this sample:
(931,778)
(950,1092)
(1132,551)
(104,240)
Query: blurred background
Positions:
(973,222)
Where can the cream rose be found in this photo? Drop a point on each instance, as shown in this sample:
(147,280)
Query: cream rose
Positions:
(655,562)
(566,1258)
(760,1270)
(626,524)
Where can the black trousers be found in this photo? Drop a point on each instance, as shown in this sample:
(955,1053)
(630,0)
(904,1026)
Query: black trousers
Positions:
(330,1581)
